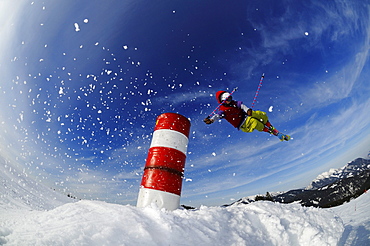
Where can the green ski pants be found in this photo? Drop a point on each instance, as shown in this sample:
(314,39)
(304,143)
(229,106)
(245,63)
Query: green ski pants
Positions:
(256,121)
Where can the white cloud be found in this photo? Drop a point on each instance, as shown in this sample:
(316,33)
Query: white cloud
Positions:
(9,13)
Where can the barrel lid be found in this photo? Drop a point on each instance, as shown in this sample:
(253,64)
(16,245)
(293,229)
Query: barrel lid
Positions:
(173,121)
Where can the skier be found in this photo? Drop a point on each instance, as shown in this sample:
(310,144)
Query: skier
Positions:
(242,117)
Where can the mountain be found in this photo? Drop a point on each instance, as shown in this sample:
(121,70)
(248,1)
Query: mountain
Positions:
(329,189)
(329,195)
(352,169)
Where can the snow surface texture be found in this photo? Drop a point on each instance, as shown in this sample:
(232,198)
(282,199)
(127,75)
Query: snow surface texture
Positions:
(99,223)
(356,217)
(31,214)
(17,190)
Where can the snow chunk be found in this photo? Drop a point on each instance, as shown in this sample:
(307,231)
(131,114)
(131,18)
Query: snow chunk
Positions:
(77,27)
(271,108)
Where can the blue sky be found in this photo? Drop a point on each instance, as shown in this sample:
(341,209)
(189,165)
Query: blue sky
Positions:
(82,84)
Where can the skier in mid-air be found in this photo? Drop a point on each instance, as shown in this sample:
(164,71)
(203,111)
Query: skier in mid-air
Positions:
(242,117)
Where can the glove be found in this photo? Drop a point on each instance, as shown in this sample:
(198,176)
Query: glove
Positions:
(250,112)
(208,121)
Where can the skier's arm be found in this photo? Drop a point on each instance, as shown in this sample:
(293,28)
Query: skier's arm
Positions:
(213,118)
(246,109)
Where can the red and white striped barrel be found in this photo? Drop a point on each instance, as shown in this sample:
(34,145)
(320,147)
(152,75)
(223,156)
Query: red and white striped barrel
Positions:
(164,168)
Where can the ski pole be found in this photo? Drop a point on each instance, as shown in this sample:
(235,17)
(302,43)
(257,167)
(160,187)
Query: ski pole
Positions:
(214,111)
(258,89)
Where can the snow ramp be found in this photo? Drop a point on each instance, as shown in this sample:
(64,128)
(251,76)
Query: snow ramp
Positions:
(99,223)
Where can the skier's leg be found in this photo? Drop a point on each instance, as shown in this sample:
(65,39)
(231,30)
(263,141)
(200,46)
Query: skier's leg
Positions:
(269,128)
(252,124)
(259,121)
(256,121)
(281,136)
(258,125)
(260,116)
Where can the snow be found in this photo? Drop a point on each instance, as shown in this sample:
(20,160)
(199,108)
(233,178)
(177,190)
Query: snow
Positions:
(99,223)
(356,217)
(77,27)
(32,214)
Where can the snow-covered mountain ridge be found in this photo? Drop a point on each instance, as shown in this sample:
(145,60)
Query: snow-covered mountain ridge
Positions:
(352,169)
(331,188)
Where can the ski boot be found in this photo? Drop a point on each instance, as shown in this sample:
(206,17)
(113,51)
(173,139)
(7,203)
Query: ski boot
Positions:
(274,131)
(283,137)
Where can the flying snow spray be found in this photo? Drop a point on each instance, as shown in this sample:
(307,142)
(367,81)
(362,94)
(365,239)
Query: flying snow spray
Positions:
(164,169)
